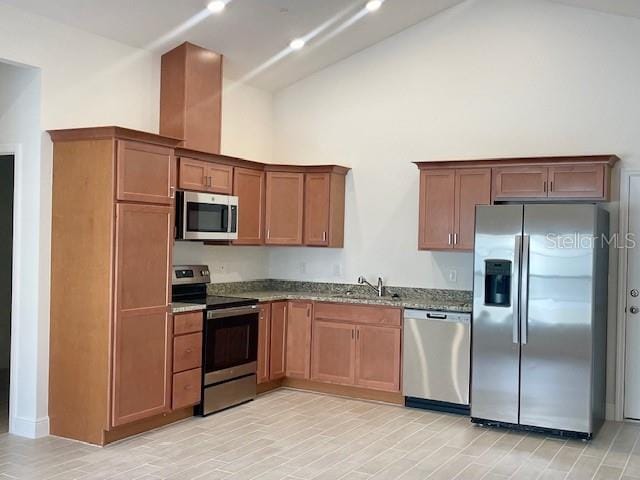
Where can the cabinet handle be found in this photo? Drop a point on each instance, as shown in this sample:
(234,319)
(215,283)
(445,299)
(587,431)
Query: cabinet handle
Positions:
(324,236)
(455,238)
(449,241)
(189,350)
(358,334)
(544,186)
(172,192)
(268,234)
(551,186)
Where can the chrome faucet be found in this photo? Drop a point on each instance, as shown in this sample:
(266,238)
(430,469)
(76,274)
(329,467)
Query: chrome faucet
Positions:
(379,289)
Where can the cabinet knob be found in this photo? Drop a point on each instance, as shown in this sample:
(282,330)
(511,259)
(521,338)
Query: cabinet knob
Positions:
(189,350)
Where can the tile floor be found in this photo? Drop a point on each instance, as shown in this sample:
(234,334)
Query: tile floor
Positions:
(296,435)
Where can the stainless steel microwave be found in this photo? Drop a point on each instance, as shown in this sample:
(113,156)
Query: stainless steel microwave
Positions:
(206,216)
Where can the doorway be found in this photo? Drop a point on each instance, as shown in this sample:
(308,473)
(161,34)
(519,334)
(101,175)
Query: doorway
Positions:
(6,261)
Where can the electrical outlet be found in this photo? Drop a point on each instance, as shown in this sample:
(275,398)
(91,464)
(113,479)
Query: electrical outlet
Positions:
(453,275)
(337,270)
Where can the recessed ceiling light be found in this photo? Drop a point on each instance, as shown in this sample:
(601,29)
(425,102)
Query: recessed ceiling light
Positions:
(297,44)
(216,6)
(373,5)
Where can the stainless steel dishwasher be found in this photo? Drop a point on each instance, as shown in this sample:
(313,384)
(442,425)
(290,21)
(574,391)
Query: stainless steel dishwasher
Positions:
(436,360)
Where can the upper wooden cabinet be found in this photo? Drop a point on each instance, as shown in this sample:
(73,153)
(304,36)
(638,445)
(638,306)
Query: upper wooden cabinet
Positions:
(146,173)
(191,97)
(519,182)
(284,208)
(248,186)
(203,176)
(305,205)
(299,339)
(448,198)
(450,191)
(324,209)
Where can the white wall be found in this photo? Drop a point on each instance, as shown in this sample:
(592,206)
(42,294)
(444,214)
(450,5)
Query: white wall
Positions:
(490,78)
(20,126)
(86,80)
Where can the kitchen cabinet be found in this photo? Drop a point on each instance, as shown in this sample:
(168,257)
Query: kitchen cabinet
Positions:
(277,349)
(284,208)
(249,187)
(324,209)
(187,387)
(333,353)
(448,198)
(187,352)
(145,173)
(520,182)
(264,343)
(111,334)
(298,347)
(187,359)
(142,298)
(204,176)
(378,363)
(191,97)
(357,345)
(577,181)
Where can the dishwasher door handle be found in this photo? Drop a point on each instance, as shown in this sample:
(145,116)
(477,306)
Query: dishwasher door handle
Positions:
(437,316)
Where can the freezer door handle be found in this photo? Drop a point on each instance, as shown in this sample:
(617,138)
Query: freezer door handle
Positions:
(524,292)
(516,289)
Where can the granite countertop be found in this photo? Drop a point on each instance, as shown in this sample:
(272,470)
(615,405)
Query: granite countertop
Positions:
(180,307)
(419,298)
(417,302)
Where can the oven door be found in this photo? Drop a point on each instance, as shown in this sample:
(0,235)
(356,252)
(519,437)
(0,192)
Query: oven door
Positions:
(207,217)
(230,343)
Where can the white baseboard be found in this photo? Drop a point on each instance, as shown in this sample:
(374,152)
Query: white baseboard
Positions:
(26,427)
(610,413)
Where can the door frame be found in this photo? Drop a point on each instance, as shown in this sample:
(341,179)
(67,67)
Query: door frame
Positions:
(621,334)
(14,150)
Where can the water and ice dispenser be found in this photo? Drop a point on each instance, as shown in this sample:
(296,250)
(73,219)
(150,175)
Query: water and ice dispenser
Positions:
(497,283)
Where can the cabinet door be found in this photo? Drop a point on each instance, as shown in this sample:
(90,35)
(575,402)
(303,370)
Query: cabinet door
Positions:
(248,186)
(264,342)
(579,181)
(142,327)
(333,352)
(145,173)
(437,209)
(219,179)
(317,196)
(519,182)
(277,353)
(192,175)
(284,207)
(473,187)
(378,358)
(299,340)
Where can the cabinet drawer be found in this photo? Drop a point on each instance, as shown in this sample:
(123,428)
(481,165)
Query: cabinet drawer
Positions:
(187,323)
(186,388)
(368,314)
(187,352)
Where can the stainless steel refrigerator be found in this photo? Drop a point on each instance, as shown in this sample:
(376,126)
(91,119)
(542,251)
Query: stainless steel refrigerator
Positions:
(539,317)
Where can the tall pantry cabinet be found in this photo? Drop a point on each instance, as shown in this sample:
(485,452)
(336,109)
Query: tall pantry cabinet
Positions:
(111,324)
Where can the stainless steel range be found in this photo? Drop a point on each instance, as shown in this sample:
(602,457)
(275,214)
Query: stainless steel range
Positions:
(230,340)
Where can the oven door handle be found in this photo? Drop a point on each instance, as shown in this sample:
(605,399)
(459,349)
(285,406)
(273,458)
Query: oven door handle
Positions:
(232,312)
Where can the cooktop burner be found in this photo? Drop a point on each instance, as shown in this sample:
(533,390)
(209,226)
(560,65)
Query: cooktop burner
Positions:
(216,303)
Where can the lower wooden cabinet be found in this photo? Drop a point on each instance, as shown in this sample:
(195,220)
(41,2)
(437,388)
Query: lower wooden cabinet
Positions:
(264,343)
(378,363)
(186,388)
(333,352)
(277,348)
(364,352)
(298,364)
(187,352)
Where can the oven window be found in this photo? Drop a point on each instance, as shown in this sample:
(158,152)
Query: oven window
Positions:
(206,217)
(230,342)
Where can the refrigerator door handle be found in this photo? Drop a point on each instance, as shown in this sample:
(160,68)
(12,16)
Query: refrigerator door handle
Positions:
(517,258)
(524,292)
